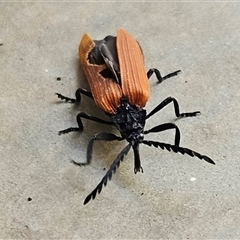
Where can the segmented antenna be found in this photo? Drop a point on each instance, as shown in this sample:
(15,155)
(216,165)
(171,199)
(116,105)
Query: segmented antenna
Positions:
(178,149)
(108,175)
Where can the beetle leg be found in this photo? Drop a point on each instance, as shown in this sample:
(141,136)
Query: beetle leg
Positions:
(178,149)
(80,125)
(77,94)
(92,118)
(176,108)
(158,74)
(100,136)
(163,127)
(108,175)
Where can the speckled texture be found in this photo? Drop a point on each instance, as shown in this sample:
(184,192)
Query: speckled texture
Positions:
(42,191)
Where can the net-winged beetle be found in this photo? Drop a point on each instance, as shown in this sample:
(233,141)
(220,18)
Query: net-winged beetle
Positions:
(119,85)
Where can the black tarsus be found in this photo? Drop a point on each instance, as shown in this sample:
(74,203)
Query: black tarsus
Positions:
(178,149)
(168,100)
(159,76)
(100,136)
(108,175)
(164,127)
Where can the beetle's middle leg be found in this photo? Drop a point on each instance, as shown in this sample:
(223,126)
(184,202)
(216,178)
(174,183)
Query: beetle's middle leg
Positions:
(176,108)
(77,95)
(159,76)
(80,125)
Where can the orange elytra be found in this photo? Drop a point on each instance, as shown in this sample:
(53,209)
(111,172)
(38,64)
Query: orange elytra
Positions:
(106,91)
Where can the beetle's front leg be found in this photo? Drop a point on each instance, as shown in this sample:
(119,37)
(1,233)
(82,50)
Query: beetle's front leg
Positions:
(100,136)
(77,95)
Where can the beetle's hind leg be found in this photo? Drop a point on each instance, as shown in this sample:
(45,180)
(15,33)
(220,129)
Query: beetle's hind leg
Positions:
(176,108)
(77,95)
(80,125)
(159,76)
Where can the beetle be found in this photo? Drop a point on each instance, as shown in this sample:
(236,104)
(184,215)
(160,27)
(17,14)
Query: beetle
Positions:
(119,85)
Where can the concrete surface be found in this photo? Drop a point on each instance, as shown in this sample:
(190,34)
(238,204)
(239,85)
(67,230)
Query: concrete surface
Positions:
(177,197)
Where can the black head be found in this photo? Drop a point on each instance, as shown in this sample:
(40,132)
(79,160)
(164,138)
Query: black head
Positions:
(130,121)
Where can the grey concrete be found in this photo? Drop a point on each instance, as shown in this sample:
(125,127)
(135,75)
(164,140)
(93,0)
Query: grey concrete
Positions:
(177,196)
